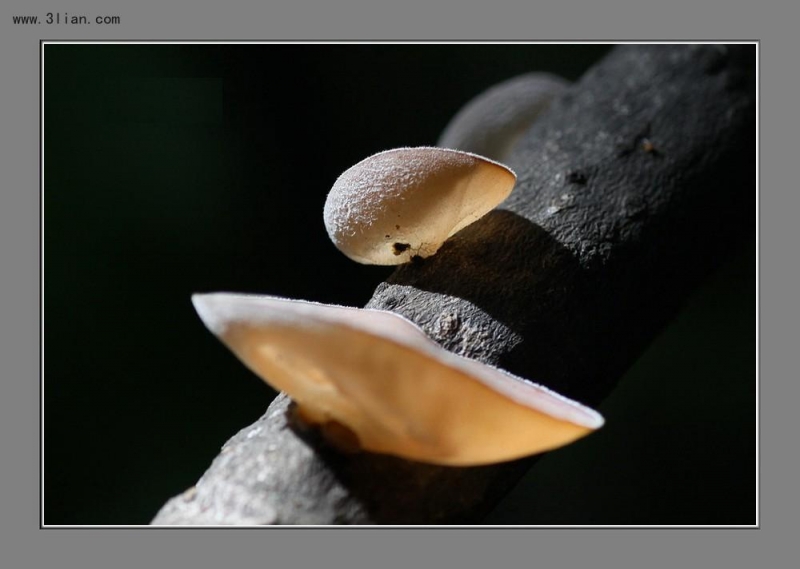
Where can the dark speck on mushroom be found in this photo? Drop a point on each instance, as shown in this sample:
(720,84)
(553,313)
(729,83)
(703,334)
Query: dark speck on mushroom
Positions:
(399,248)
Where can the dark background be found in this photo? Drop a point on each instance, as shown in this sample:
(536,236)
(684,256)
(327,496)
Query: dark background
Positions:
(173,169)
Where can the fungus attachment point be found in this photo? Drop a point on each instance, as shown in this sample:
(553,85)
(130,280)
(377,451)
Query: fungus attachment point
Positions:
(376,382)
(407,201)
(302,418)
(341,437)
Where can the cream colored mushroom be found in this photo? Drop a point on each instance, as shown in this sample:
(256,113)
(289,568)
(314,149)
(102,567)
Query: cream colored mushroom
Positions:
(404,203)
(394,390)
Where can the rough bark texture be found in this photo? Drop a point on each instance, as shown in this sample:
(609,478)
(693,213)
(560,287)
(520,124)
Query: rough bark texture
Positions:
(632,187)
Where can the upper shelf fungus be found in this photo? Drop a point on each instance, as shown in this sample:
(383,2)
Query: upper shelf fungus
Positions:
(378,378)
(404,203)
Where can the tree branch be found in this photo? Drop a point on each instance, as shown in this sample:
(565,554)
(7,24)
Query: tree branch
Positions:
(631,189)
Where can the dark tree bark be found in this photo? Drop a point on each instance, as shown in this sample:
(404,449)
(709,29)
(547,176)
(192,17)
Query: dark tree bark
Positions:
(634,185)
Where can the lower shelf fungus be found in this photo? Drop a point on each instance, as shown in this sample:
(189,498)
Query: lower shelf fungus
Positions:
(374,381)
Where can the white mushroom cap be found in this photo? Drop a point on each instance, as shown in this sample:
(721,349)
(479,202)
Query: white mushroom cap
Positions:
(403,203)
(399,392)
(492,122)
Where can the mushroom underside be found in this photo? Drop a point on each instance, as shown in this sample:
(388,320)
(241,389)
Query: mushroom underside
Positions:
(396,390)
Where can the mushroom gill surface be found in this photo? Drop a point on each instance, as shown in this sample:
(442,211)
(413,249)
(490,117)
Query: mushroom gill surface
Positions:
(399,392)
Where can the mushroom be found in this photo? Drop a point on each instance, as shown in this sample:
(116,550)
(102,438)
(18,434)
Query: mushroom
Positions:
(494,120)
(375,381)
(402,204)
